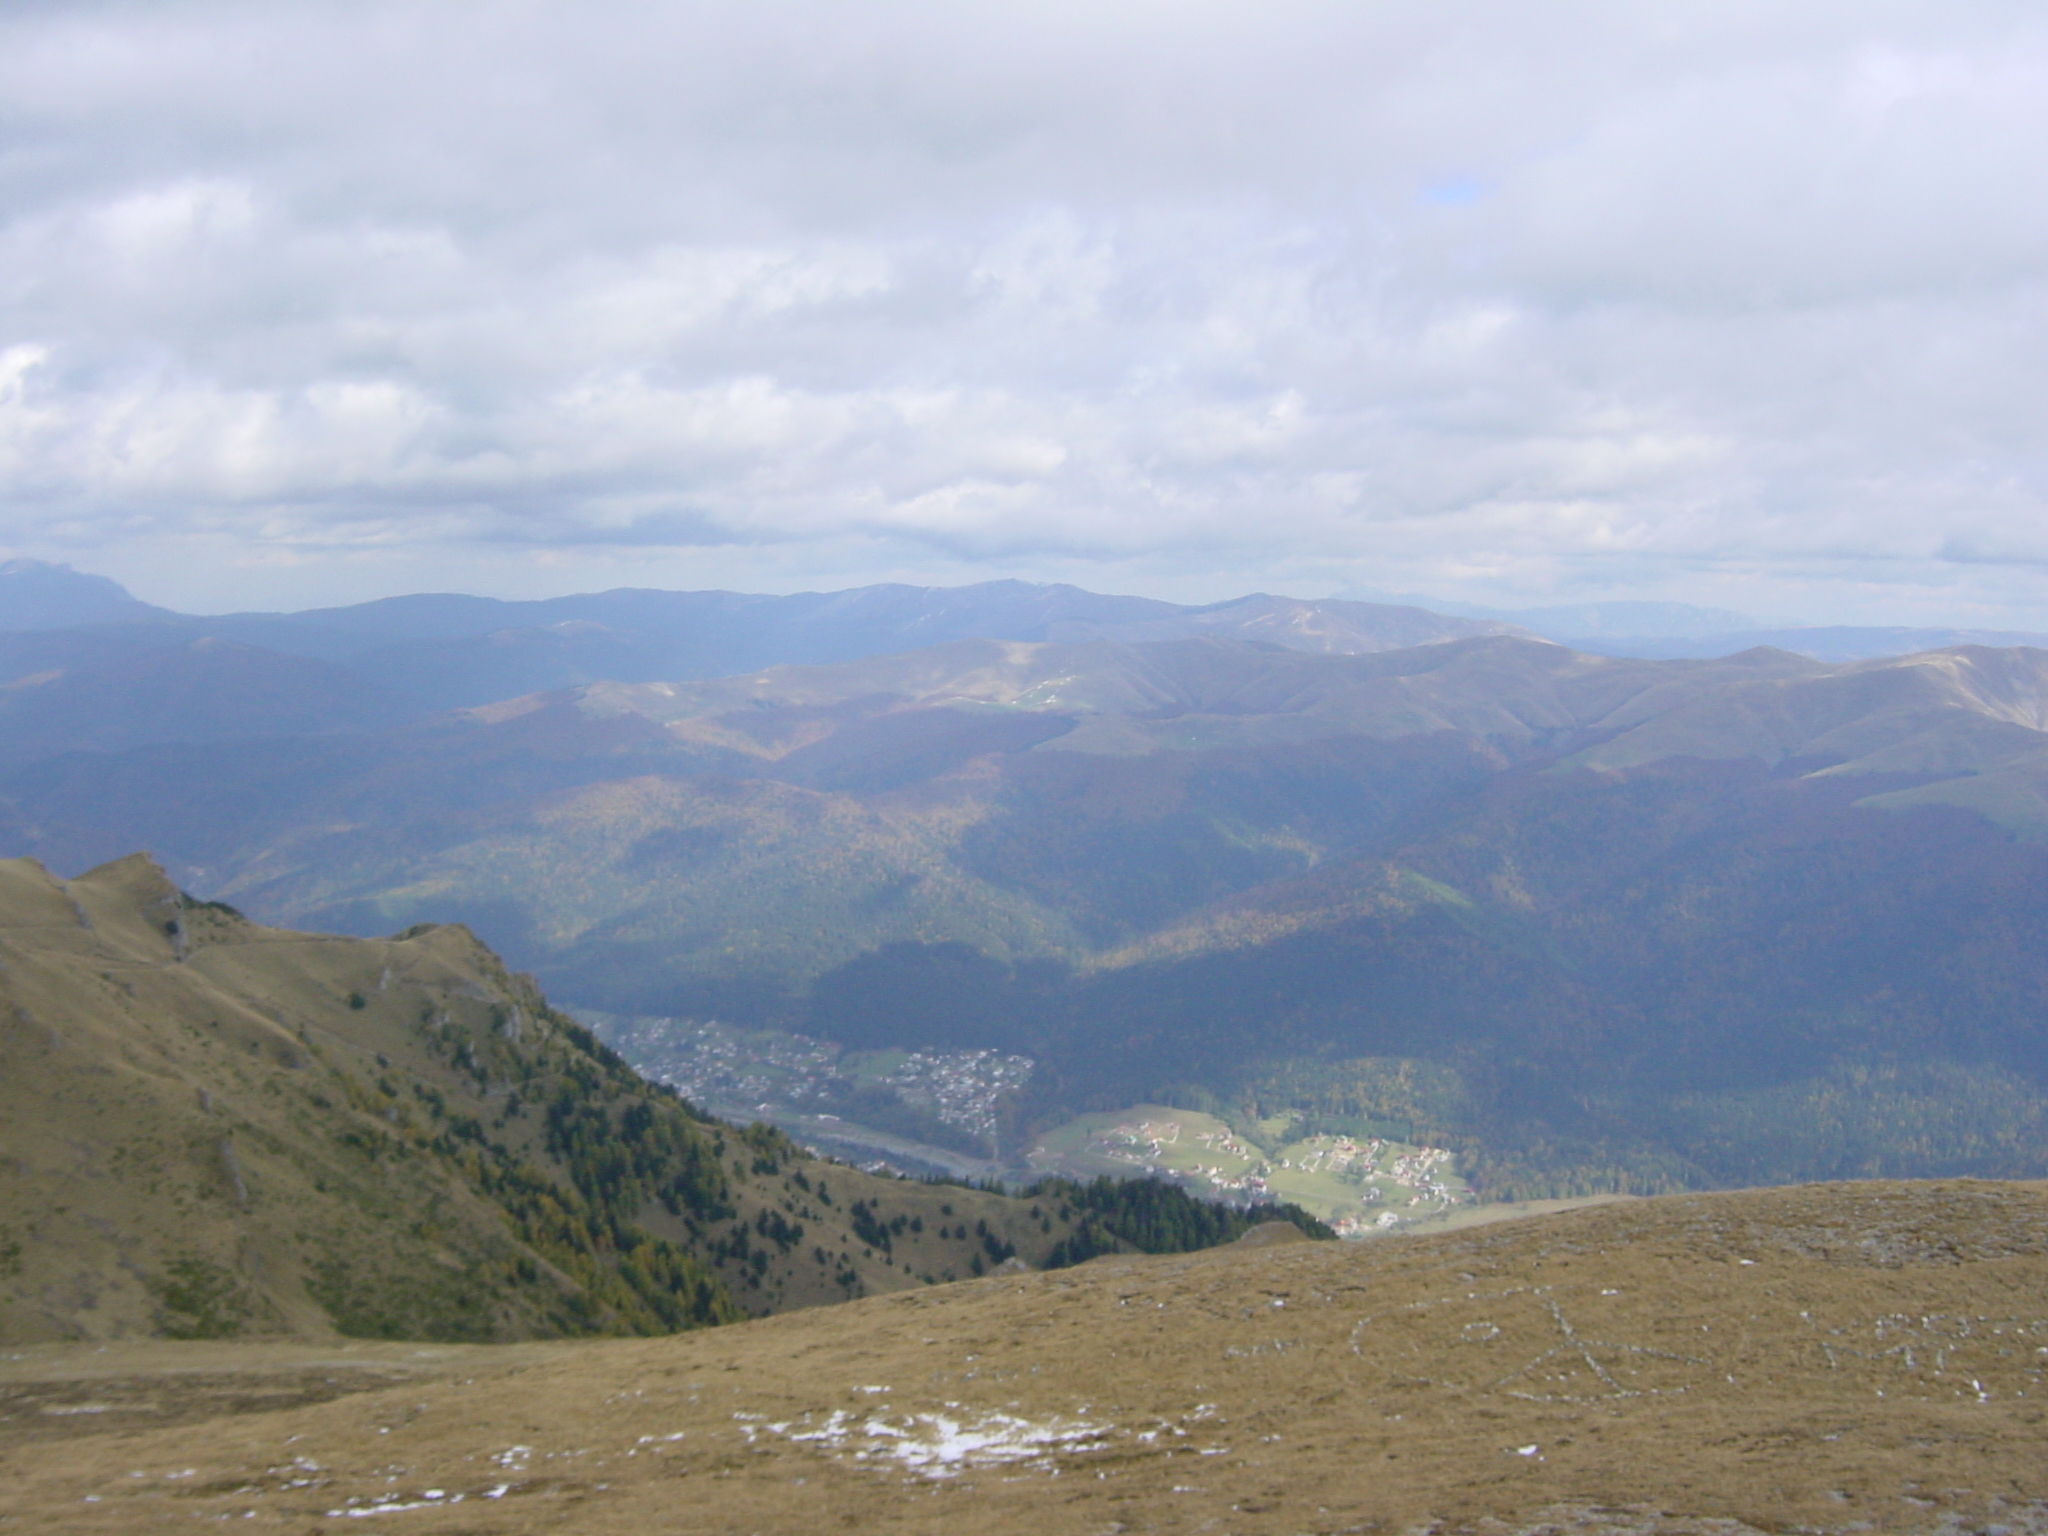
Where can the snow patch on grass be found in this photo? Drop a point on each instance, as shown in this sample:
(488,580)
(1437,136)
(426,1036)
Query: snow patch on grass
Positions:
(941,1445)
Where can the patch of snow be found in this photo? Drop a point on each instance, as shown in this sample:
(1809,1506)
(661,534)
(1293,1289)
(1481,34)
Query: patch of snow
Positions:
(394,1504)
(941,1445)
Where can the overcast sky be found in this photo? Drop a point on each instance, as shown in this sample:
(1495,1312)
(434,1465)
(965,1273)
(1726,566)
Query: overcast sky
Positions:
(1523,302)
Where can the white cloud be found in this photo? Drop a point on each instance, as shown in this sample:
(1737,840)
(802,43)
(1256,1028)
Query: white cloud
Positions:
(1739,302)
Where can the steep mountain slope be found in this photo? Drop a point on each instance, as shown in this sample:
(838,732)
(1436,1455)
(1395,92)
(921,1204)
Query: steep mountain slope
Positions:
(212,1128)
(1832,1359)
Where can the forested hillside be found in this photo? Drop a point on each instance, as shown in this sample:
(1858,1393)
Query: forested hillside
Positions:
(215,1129)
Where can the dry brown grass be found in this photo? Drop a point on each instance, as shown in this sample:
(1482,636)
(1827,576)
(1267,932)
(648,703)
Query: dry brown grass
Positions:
(1827,1358)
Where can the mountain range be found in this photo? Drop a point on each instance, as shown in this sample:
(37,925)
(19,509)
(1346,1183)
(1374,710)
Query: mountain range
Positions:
(1672,630)
(1590,922)
(82,663)
(77,652)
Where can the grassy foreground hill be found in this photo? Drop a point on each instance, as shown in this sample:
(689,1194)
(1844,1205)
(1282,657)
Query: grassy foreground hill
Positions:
(213,1129)
(1824,1359)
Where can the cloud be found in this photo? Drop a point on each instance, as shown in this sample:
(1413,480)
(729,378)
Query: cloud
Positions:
(1699,300)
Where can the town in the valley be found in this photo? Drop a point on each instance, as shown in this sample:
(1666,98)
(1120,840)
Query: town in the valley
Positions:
(923,1112)
(1360,1185)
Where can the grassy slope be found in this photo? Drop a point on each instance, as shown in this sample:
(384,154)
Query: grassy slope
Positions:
(1834,1359)
(213,1128)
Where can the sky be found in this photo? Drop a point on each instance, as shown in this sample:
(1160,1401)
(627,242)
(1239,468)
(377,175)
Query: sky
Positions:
(1740,304)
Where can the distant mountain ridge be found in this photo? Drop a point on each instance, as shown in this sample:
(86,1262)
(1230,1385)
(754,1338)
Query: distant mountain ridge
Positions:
(79,644)
(39,594)
(1573,621)
(1823,642)
(1960,711)
(1672,631)
(414,656)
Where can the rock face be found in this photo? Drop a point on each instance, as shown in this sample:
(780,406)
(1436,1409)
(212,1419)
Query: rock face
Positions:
(212,1129)
(1833,1358)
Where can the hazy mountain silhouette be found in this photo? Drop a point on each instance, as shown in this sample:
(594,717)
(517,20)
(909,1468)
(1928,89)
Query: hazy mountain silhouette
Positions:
(1823,642)
(431,652)
(37,594)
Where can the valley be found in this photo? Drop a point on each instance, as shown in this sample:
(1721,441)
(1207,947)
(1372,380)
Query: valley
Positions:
(1003,769)
(935,1060)
(878,1109)
(1585,923)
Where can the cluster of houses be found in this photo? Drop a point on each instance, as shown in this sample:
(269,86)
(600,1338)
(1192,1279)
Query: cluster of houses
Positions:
(962,1088)
(734,1071)
(714,1064)
(1387,1170)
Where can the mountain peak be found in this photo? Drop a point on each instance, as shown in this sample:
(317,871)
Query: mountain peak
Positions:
(43,594)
